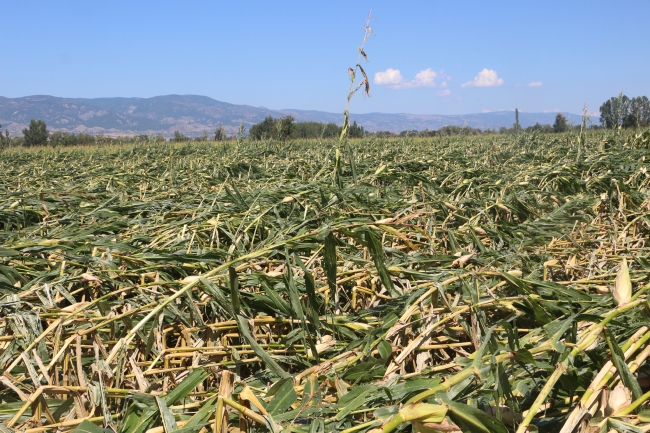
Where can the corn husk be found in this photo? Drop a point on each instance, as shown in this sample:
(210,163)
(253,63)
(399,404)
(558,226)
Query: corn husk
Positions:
(623,286)
(618,398)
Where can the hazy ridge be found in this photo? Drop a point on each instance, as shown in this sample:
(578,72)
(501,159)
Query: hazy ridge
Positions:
(193,114)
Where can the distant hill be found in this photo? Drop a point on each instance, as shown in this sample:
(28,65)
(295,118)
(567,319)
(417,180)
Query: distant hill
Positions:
(192,114)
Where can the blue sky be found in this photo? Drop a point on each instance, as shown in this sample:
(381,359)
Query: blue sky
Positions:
(426,57)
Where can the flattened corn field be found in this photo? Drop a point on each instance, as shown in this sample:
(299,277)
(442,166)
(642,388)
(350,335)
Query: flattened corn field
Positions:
(487,284)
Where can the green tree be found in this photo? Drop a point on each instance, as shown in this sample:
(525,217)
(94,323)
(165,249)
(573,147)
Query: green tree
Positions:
(241,132)
(356,131)
(220,133)
(614,111)
(262,130)
(285,127)
(517,125)
(560,125)
(178,137)
(277,129)
(639,112)
(545,128)
(630,121)
(36,134)
(315,130)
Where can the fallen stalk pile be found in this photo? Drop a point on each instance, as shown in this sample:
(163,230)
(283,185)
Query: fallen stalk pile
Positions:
(477,284)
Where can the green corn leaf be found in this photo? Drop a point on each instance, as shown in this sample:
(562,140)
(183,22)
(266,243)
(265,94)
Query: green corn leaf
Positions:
(88,427)
(310,287)
(329,262)
(234,289)
(166,415)
(186,386)
(284,397)
(618,358)
(470,419)
(244,331)
(377,253)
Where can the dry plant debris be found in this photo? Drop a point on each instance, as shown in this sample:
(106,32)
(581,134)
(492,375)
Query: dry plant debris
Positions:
(484,284)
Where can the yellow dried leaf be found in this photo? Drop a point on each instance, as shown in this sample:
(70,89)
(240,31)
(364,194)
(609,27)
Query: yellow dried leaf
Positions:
(394,270)
(324,343)
(462,260)
(479,231)
(424,412)
(74,307)
(190,278)
(90,277)
(247,395)
(573,261)
(434,427)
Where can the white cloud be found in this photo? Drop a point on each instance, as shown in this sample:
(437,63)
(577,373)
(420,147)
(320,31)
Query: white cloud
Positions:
(445,92)
(425,78)
(394,80)
(391,77)
(534,84)
(485,78)
(485,111)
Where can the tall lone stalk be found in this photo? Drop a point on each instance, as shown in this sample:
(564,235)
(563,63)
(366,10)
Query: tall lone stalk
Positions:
(353,89)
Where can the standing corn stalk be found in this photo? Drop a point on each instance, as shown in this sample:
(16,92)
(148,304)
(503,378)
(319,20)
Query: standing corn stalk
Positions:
(366,91)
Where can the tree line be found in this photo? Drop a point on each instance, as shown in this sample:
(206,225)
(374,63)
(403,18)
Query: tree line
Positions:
(36,134)
(281,129)
(561,125)
(286,127)
(623,112)
(617,112)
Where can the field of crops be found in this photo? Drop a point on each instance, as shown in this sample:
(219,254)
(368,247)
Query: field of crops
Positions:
(486,284)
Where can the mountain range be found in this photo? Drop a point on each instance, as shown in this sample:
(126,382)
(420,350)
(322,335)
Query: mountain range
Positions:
(192,115)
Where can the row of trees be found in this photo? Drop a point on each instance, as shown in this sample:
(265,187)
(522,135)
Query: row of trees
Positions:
(278,129)
(287,128)
(36,134)
(220,134)
(621,111)
(560,125)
